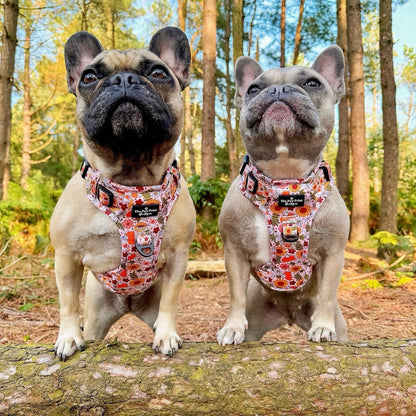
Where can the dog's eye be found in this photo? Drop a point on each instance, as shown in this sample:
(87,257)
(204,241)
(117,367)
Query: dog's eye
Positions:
(89,78)
(159,73)
(253,89)
(312,83)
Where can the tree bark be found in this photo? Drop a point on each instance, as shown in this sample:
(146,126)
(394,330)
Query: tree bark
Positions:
(298,33)
(358,378)
(238,28)
(209,31)
(185,100)
(237,35)
(7,58)
(230,133)
(283,34)
(388,207)
(342,162)
(361,182)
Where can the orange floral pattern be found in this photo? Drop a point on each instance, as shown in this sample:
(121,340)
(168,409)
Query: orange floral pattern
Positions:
(140,236)
(289,221)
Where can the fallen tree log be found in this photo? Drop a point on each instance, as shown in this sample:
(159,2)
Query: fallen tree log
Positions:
(358,378)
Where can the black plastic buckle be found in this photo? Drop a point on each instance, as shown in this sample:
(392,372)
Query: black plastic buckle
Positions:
(104,195)
(326,173)
(252,183)
(84,168)
(246,161)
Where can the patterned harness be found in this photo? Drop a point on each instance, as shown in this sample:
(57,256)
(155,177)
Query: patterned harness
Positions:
(140,214)
(289,207)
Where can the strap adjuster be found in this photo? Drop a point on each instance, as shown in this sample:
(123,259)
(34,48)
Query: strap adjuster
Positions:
(84,168)
(252,183)
(104,195)
(325,172)
(246,161)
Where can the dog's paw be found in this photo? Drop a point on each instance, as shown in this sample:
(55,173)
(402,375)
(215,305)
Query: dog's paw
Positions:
(67,343)
(322,334)
(166,344)
(232,333)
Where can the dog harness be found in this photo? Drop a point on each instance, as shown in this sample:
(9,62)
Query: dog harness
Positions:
(289,207)
(140,214)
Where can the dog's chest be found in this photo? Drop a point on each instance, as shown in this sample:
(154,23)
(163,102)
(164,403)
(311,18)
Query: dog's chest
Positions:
(288,208)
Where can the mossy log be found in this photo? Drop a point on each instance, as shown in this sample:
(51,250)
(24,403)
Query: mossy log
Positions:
(358,378)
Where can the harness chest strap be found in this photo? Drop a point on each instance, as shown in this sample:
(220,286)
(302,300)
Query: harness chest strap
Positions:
(289,207)
(140,214)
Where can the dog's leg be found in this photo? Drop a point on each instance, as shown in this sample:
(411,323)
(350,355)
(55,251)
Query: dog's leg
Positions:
(323,325)
(340,325)
(166,339)
(68,280)
(102,308)
(238,272)
(263,311)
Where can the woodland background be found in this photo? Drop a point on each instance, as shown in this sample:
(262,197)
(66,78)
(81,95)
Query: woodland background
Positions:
(372,151)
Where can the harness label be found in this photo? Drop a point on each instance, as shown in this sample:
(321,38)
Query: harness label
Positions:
(144,211)
(291,201)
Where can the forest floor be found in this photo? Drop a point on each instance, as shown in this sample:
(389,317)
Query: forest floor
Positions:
(377,301)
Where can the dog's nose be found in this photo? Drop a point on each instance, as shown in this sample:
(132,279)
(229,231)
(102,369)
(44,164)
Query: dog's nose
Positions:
(125,78)
(277,90)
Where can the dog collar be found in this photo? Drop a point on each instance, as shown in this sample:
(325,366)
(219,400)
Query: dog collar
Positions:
(289,207)
(140,214)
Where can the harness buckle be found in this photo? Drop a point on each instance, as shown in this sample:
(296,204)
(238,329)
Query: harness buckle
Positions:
(144,244)
(290,232)
(104,195)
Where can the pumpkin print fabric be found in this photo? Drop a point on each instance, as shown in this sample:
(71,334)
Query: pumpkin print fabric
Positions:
(289,207)
(140,214)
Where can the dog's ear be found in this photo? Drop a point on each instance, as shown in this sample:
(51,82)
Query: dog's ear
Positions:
(80,49)
(172,46)
(330,64)
(246,71)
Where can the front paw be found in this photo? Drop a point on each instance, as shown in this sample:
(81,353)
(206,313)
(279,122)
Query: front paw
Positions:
(232,332)
(166,342)
(68,342)
(321,333)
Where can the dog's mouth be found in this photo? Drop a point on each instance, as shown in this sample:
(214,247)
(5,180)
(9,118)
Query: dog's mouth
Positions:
(126,117)
(129,124)
(282,111)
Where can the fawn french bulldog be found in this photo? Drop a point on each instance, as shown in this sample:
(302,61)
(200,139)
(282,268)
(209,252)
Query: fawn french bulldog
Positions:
(127,215)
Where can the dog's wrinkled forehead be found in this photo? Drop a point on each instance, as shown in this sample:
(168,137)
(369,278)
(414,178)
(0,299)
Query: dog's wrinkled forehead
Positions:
(293,75)
(137,60)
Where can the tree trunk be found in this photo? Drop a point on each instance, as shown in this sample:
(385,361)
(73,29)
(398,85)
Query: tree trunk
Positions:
(238,28)
(7,58)
(237,35)
(191,113)
(27,104)
(182,25)
(298,32)
(231,137)
(342,162)
(388,207)
(361,183)
(283,34)
(208,115)
(250,36)
(360,378)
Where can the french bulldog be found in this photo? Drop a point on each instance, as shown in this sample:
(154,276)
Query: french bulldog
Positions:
(128,194)
(283,264)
